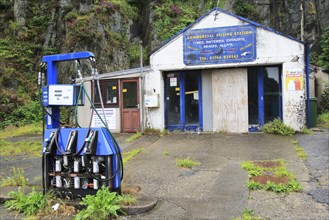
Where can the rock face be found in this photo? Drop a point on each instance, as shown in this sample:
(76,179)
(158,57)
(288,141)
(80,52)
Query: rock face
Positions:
(109,31)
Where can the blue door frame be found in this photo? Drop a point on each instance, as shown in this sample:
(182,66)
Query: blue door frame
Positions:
(182,126)
(261,107)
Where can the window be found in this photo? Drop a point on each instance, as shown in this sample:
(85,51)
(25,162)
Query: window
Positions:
(109,90)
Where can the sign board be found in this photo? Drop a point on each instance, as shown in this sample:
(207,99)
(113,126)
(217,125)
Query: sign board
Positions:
(110,118)
(294,80)
(220,45)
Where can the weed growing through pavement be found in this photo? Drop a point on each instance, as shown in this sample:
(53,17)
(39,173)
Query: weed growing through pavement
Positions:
(247,214)
(165,153)
(134,137)
(279,179)
(306,131)
(301,153)
(28,204)
(17,178)
(278,127)
(130,154)
(186,163)
(103,205)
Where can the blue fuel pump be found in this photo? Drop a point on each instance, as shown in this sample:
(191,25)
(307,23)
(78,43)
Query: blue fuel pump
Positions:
(75,161)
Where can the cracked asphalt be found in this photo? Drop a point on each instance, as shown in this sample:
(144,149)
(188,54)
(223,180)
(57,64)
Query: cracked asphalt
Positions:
(216,188)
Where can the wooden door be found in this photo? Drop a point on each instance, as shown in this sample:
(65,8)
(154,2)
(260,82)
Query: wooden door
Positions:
(130,105)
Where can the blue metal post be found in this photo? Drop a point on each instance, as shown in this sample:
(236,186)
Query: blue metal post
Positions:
(52,121)
(260,97)
(182,100)
(200,101)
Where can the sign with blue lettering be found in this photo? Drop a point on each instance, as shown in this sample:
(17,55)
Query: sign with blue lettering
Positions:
(220,45)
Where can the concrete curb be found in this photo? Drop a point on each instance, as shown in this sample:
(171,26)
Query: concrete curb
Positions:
(145,204)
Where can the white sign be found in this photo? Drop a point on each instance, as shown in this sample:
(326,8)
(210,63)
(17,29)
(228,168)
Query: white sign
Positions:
(110,118)
(173,82)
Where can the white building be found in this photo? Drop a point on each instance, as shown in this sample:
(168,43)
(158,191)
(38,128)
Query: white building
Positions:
(222,73)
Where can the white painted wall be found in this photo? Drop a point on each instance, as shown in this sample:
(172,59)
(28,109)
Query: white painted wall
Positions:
(272,49)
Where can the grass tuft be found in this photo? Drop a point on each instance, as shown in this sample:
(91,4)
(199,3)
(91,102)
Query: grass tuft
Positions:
(278,127)
(17,178)
(31,148)
(130,155)
(134,137)
(301,153)
(127,199)
(12,131)
(186,163)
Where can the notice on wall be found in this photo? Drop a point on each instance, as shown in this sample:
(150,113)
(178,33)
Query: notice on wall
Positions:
(294,80)
(173,82)
(110,118)
(220,45)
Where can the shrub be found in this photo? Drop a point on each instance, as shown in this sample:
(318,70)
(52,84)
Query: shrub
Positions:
(278,127)
(16,179)
(325,98)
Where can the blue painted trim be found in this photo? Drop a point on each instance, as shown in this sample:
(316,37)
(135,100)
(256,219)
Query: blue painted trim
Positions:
(67,56)
(200,101)
(165,101)
(260,96)
(233,15)
(307,70)
(280,93)
(182,99)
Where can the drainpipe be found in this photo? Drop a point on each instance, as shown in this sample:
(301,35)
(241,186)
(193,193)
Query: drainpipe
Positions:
(307,70)
(142,84)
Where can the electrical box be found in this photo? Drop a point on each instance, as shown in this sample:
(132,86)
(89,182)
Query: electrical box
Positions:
(151,101)
(62,95)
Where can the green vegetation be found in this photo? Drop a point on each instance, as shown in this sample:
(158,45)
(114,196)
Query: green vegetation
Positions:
(31,148)
(301,153)
(186,163)
(28,204)
(246,9)
(165,153)
(130,155)
(103,205)
(17,178)
(13,131)
(278,127)
(325,98)
(134,137)
(127,199)
(173,16)
(324,56)
(272,168)
(323,119)
(247,214)
(306,131)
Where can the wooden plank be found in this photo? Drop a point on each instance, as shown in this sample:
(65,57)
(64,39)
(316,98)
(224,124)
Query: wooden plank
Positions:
(230,100)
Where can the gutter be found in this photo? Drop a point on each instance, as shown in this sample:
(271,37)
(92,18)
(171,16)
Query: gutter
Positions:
(307,71)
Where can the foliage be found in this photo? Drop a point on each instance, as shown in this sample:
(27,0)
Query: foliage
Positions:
(252,169)
(323,119)
(28,204)
(325,98)
(131,154)
(17,178)
(252,185)
(173,16)
(134,55)
(324,56)
(152,131)
(100,206)
(245,9)
(134,137)
(306,131)
(31,148)
(278,127)
(247,214)
(186,163)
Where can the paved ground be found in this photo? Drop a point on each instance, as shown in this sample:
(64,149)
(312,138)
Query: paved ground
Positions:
(215,189)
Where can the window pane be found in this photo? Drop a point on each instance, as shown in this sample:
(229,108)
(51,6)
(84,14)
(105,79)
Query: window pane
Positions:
(271,94)
(96,94)
(173,98)
(129,94)
(111,92)
(253,96)
(191,98)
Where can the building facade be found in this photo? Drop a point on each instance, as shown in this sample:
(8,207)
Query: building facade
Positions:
(222,73)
